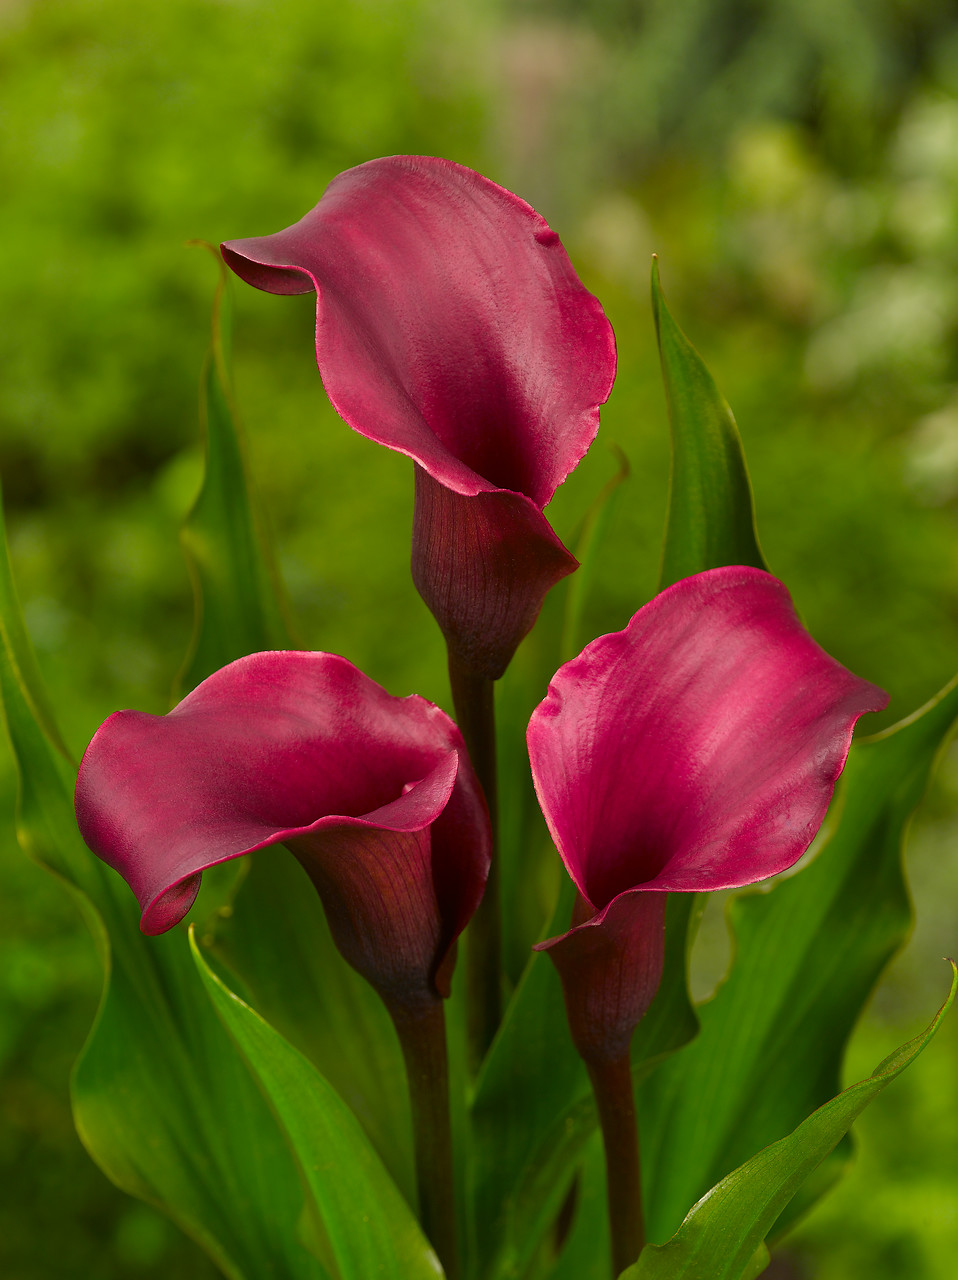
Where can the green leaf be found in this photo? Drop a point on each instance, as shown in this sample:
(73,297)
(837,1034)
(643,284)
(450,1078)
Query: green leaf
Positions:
(238,598)
(710,521)
(808,953)
(275,939)
(368,1225)
(161,1099)
(723,1233)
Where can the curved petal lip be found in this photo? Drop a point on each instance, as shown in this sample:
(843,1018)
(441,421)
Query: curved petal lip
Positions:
(597,920)
(430,454)
(403,190)
(415,810)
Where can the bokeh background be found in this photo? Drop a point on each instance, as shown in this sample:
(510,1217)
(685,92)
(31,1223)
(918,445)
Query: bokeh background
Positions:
(795,165)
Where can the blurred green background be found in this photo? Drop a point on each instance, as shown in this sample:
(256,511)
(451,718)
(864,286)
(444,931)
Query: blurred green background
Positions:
(794,164)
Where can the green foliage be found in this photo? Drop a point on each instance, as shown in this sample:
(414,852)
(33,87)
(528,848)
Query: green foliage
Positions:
(711,521)
(156,1079)
(273,939)
(808,953)
(797,173)
(235,585)
(721,1239)
(339,1168)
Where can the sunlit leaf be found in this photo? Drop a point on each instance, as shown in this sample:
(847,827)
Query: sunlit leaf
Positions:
(275,938)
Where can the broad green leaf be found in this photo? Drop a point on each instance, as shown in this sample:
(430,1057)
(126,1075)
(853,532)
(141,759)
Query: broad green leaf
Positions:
(162,1100)
(710,521)
(369,1228)
(236,589)
(721,1237)
(533,1112)
(808,953)
(275,939)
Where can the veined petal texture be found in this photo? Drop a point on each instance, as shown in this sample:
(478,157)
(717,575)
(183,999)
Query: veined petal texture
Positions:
(698,749)
(452,327)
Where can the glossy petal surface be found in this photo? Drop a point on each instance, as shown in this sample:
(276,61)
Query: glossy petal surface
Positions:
(451,327)
(698,749)
(374,795)
(450,324)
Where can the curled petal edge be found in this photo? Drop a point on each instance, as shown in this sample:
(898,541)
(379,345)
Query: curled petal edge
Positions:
(286,263)
(414,811)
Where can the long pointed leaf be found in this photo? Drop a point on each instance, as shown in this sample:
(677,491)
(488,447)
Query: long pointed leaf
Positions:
(276,941)
(22,669)
(724,1231)
(368,1225)
(710,521)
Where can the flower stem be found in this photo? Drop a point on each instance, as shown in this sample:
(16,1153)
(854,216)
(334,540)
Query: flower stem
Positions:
(474,700)
(422,1036)
(612,1084)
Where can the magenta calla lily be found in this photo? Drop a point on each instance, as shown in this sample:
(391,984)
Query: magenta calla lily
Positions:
(698,749)
(451,327)
(373,794)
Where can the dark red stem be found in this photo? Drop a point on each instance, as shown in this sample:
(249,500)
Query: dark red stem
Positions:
(474,700)
(612,1084)
(422,1036)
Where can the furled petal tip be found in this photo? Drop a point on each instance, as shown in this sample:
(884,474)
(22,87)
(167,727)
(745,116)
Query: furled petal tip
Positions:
(698,749)
(373,794)
(451,327)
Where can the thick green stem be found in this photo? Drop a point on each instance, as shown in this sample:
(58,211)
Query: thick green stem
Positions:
(423,1039)
(474,700)
(612,1084)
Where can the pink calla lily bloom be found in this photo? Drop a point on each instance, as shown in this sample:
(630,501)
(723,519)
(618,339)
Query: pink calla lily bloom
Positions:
(451,327)
(698,749)
(373,794)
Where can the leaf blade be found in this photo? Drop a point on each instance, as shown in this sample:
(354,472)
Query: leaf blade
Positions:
(711,521)
(370,1228)
(723,1232)
(156,1069)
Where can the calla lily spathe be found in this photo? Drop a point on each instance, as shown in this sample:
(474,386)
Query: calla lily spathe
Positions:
(451,327)
(373,794)
(698,749)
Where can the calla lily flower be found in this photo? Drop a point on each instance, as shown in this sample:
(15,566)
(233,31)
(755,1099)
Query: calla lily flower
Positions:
(698,749)
(373,794)
(451,327)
